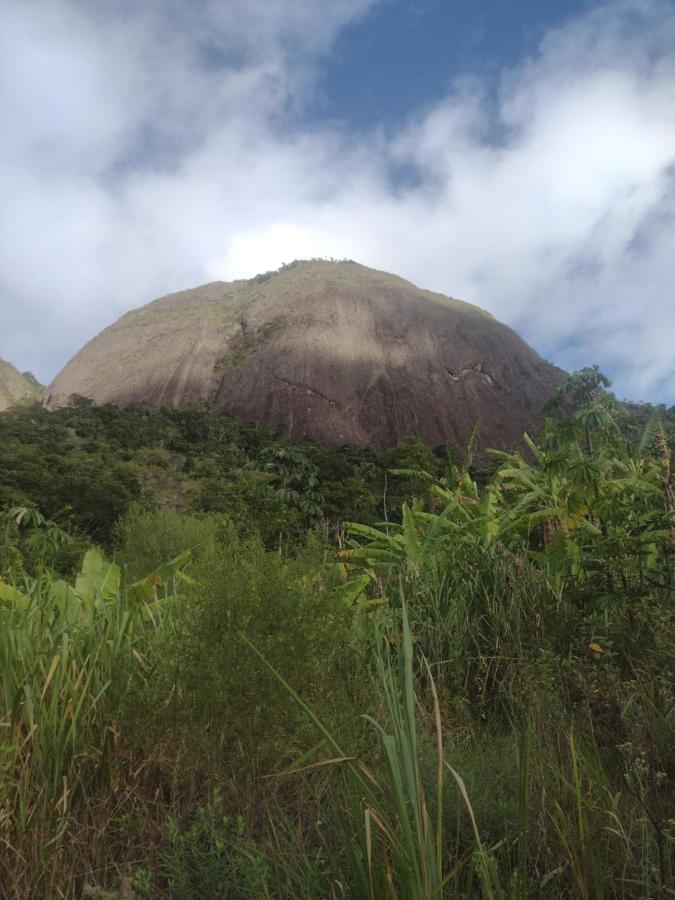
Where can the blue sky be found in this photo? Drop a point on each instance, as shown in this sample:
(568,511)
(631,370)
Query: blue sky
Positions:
(519,155)
(404,55)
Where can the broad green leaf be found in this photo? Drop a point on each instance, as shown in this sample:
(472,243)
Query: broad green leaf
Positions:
(97,577)
(352,591)
(10,594)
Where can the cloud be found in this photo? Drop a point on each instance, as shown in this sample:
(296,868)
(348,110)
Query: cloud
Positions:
(155,146)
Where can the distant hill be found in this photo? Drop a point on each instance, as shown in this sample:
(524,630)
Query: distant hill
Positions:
(335,350)
(15,387)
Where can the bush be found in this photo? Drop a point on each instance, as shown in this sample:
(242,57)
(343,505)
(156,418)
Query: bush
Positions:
(149,537)
(224,701)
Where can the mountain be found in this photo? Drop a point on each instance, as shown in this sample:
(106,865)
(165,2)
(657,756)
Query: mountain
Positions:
(335,350)
(15,387)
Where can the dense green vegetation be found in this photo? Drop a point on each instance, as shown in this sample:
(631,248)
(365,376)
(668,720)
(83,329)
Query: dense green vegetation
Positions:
(85,465)
(232,667)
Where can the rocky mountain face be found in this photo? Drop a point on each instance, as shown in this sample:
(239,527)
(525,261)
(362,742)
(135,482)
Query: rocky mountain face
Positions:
(15,386)
(334,350)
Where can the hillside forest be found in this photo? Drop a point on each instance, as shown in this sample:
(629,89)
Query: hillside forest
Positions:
(236,667)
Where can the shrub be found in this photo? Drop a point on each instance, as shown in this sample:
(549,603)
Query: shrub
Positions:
(149,537)
(224,702)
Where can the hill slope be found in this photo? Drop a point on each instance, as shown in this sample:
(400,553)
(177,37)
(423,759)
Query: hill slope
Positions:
(14,386)
(334,350)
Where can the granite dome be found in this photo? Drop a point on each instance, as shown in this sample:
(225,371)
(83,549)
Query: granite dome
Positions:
(335,350)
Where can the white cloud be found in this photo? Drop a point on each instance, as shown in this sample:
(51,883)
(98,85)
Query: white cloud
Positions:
(148,151)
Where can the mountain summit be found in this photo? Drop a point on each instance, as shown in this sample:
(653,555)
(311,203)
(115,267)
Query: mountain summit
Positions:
(335,350)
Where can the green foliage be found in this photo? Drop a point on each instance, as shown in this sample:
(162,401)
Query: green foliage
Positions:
(73,481)
(146,538)
(390,822)
(67,652)
(210,858)
(31,543)
(530,598)
(414,465)
(286,607)
(179,707)
(595,520)
(85,465)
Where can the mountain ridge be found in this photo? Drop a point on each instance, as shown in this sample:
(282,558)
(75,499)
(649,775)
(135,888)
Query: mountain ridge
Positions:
(16,386)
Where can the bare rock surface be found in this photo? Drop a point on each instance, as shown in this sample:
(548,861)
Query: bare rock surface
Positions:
(335,350)
(16,387)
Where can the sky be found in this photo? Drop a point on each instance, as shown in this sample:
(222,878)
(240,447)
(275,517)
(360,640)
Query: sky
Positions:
(517,154)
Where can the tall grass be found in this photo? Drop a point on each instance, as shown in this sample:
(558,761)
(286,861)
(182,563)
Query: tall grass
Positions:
(389,823)
(474,732)
(68,655)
